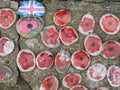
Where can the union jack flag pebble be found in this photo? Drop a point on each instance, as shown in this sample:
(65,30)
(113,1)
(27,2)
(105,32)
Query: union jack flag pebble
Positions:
(31,7)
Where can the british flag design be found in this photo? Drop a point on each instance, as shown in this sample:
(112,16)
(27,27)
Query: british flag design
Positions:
(31,7)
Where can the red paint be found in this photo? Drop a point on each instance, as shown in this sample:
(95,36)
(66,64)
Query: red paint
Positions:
(50,83)
(2,42)
(80,60)
(93,44)
(78,87)
(2,75)
(71,80)
(111,49)
(45,60)
(50,37)
(7,18)
(68,35)
(62,17)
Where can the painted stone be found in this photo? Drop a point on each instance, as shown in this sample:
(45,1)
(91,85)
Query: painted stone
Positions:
(78,87)
(71,80)
(110,24)
(113,76)
(44,60)
(62,61)
(29,27)
(111,49)
(26,60)
(93,44)
(96,72)
(87,24)
(62,17)
(49,83)
(68,35)
(50,37)
(7,18)
(31,7)
(5,73)
(6,46)
(80,60)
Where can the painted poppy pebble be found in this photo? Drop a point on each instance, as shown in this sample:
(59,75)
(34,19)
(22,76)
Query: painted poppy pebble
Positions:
(110,24)
(68,35)
(5,73)
(26,60)
(93,44)
(78,87)
(31,7)
(80,60)
(96,72)
(62,17)
(29,27)
(7,18)
(102,88)
(49,83)
(87,24)
(111,49)
(50,36)
(6,46)
(44,60)
(71,80)
(62,61)
(113,76)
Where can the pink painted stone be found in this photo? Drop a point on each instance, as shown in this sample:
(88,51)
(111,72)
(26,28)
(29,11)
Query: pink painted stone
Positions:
(78,87)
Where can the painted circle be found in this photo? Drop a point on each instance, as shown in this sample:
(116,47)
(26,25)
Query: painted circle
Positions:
(111,49)
(26,60)
(5,73)
(93,44)
(110,24)
(78,87)
(71,80)
(113,76)
(87,24)
(49,83)
(96,72)
(29,27)
(6,46)
(62,61)
(68,35)
(44,60)
(7,18)
(50,37)
(80,60)
(62,17)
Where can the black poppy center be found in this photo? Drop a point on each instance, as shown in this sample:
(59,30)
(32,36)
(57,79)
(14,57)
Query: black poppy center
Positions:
(110,49)
(68,35)
(30,26)
(81,58)
(49,85)
(72,80)
(87,24)
(62,16)
(44,60)
(92,44)
(6,17)
(110,23)
(26,60)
